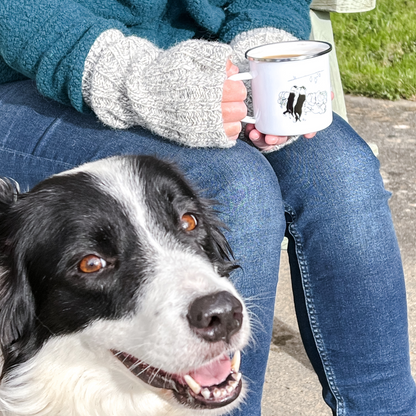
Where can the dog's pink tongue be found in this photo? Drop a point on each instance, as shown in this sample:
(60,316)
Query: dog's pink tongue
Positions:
(213,373)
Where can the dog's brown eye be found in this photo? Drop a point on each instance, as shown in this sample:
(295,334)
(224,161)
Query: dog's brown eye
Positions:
(91,264)
(188,222)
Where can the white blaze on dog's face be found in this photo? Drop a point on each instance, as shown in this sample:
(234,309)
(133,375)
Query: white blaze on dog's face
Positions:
(120,261)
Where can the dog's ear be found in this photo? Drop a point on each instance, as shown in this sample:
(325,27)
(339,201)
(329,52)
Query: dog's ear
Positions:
(17,318)
(219,250)
(221,253)
(17,309)
(9,191)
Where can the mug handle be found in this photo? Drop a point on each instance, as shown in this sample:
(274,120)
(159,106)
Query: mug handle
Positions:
(243,76)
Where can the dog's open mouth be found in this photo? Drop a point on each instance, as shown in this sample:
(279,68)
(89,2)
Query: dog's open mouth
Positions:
(210,386)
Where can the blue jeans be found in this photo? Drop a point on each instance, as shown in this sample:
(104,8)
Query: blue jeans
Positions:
(328,196)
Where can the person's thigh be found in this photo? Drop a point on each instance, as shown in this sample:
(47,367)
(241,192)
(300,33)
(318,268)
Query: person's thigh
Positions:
(347,274)
(39,138)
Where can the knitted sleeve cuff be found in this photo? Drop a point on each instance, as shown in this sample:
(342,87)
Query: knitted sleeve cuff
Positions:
(175,93)
(105,71)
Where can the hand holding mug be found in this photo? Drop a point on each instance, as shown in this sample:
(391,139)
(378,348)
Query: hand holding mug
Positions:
(266,142)
(233,106)
(291,91)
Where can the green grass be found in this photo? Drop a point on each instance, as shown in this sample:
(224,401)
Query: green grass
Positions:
(377,50)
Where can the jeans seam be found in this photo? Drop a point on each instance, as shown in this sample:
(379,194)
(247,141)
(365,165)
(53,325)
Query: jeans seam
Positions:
(303,267)
(18,153)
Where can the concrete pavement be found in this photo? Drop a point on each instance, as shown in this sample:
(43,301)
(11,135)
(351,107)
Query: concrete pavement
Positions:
(291,385)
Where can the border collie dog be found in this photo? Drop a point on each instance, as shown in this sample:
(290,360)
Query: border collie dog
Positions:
(115,298)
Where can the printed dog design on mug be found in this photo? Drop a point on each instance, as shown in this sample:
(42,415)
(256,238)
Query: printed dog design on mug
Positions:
(297,103)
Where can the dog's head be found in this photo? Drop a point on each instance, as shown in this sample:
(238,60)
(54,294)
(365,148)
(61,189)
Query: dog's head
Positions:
(122,258)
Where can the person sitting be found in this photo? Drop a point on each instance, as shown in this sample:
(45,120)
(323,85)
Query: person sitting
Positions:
(84,80)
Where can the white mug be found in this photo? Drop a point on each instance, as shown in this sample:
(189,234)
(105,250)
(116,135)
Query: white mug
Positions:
(291,87)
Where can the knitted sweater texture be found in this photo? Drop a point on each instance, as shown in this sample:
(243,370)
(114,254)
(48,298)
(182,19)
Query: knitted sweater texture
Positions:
(49,40)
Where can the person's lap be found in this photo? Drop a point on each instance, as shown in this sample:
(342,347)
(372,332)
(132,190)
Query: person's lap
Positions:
(339,226)
(39,138)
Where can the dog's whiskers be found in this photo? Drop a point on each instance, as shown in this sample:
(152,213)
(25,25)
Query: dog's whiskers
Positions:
(144,370)
(154,375)
(138,363)
(257,298)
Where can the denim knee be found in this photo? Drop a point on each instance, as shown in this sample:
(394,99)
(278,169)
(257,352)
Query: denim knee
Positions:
(334,172)
(250,185)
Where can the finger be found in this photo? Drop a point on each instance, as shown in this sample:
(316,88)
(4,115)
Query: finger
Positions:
(310,135)
(232,129)
(235,111)
(274,140)
(234,91)
(230,68)
(258,140)
(249,128)
(255,136)
(332,95)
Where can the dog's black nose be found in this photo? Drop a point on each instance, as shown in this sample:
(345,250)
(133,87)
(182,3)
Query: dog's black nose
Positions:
(216,317)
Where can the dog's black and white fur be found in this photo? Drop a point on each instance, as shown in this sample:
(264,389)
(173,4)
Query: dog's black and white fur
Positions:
(114,297)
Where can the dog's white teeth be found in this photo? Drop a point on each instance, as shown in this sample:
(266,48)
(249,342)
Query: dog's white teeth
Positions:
(195,387)
(236,361)
(236,377)
(206,393)
(229,388)
(232,384)
(213,392)
(217,393)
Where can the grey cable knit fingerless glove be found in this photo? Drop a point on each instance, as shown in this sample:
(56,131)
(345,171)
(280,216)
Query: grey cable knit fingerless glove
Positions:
(175,93)
(250,39)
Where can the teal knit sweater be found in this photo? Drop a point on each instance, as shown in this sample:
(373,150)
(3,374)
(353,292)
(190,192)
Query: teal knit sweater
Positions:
(48,40)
